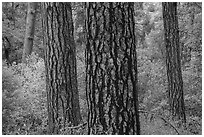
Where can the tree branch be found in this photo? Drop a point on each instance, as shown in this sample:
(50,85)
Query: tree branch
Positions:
(142,111)
(81,125)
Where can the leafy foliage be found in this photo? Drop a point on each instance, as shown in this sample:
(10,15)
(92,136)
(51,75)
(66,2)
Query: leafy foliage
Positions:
(24,96)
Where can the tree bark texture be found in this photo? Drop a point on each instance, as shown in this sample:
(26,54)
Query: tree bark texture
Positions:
(111,69)
(173,60)
(60,61)
(30,28)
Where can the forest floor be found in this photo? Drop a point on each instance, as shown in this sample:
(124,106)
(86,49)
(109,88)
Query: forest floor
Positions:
(24,101)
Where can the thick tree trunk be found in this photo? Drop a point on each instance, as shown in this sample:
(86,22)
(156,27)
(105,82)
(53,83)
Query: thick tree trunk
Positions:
(30,28)
(111,69)
(60,61)
(173,60)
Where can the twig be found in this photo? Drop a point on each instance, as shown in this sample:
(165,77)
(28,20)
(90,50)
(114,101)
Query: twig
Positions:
(81,125)
(142,111)
(169,124)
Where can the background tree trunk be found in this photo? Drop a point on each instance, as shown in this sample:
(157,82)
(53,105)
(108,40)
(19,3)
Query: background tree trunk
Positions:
(111,69)
(30,28)
(173,60)
(60,61)
(6,49)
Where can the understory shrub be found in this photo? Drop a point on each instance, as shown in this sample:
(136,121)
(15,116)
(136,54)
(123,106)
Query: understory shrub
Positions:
(24,97)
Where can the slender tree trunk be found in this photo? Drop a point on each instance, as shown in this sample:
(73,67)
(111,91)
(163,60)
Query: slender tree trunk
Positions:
(60,61)
(30,28)
(7,49)
(173,60)
(111,69)
(13,8)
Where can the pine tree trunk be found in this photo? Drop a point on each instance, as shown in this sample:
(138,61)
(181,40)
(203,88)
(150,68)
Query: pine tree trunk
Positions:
(60,61)
(30,28)
(173,60)
(111,69)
